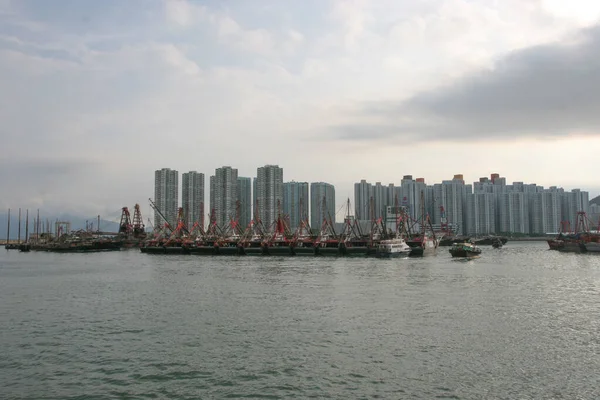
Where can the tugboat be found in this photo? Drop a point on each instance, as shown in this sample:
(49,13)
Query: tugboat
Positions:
(465,250)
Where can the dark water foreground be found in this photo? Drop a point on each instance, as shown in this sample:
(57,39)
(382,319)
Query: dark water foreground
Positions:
(521,322)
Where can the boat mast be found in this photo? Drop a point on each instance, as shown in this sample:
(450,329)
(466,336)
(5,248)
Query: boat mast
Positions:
(8,229)
(19,234)
(26,225)
(37,226)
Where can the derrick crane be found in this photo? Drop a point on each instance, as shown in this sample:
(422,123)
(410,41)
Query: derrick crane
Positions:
(138,224)
(125,224)
(181,228)
(156,210)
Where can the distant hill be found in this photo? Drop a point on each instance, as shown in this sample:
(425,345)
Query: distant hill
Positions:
(76,223)
(595,200)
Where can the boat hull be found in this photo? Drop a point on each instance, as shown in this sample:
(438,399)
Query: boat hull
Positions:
(464,253)
(572,247)
(203,250)
(304,251)
(253,251)
(165,250)
(592,247)
(228,251)
(328,251)
(397,254)
(279,251)
(355,251)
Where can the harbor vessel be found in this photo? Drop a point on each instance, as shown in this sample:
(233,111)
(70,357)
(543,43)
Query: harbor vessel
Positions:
(391,248)
(465,250)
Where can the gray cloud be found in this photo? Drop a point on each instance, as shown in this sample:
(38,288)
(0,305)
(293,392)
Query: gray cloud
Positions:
(45,182)
(548,90)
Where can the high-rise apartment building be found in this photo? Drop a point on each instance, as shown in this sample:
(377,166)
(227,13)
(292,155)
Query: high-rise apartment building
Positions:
(166,193)
(480,214)
(223,195)
(413,195)
(295,202)
(513,212)
(322,204)
(192,198)
(452,195)
(363,192)
(269,194)
(244,197)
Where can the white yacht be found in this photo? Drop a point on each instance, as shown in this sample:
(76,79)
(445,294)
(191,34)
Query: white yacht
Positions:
(396,247)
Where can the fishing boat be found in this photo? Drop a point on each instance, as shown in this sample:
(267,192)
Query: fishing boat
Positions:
(327,243)
(353,243)
(555,244)
(279,244)
(426,242)
(303,243)
(391,248)
(422,244)
(465,250)
(490,240)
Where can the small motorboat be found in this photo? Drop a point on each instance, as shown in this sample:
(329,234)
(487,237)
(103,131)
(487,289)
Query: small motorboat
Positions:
(464,250)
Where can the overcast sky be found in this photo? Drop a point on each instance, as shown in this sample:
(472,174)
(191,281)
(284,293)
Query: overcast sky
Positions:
(96,95)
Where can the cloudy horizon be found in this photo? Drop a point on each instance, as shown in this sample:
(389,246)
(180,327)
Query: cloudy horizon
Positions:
(96,97)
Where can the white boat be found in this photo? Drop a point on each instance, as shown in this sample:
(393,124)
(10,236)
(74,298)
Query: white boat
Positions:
(389,248)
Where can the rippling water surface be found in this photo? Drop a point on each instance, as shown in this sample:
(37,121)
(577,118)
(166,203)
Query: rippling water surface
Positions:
(519,322)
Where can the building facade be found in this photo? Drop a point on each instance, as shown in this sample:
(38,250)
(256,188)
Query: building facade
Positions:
(481,214)
(269,194)
(244,198)
(223,195)
(322,204)
(192,198)
(295,202)
(166,196)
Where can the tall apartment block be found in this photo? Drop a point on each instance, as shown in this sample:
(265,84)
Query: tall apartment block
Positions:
(480,214)
(452,195)
(224,194)
(269,193)
(192,198)
(322,204)
(363,192)
(295,202)
(166,192)
(244,197)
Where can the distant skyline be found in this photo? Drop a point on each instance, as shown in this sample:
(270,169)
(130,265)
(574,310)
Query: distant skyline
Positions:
(96,96)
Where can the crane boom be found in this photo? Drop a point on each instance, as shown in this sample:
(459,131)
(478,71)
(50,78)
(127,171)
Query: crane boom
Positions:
(155,208)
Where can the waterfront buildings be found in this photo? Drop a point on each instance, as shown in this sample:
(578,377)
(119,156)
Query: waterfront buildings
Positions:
(166,195)
(224,195)
(295,202)
(269,194)
(490,205)
(322,204)
(192,198)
